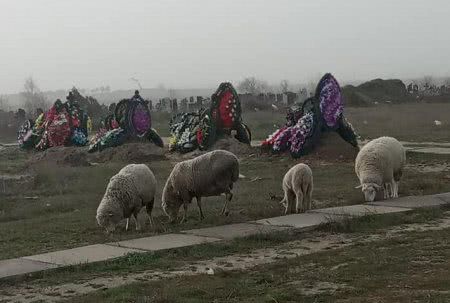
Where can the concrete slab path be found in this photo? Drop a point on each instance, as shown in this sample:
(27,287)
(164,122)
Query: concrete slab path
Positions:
(19,266)
(299,221)
(84,254)
(309,220)
(164,242)
(228,232)
(414,202)
(359,210)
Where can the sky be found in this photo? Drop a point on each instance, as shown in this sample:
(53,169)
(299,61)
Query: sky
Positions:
(200,43)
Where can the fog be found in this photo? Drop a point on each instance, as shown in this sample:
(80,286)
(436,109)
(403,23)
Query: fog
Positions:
(199,43)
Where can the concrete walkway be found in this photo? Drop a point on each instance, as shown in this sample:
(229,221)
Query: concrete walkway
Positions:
(305,221)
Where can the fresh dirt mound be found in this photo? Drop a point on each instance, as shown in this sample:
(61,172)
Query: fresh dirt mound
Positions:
(67,156)
(332,148)
(79,156)
(137,152)
(233,146)
(377,90)
(227,143)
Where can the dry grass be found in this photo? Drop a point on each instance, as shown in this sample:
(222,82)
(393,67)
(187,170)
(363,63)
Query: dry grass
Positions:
(411,268)
(64,214)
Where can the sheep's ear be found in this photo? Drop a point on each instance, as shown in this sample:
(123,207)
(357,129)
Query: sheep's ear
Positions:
(359,186)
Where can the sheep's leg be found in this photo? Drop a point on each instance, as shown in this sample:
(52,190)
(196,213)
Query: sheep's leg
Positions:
(307,199)
(138,224)
(228,197)
(149,208)
(184,219)
(200,211)
(289,202)
(395,189)
(128,222)
(299,197)
(285,201)
(392,184)
(387,190)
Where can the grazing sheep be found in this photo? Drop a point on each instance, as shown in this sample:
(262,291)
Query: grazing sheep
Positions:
(132,188)
(210,174)
(298,188)
(379,166)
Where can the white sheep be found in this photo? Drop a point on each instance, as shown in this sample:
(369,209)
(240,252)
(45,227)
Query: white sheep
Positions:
(132,188)
(210,174)
(379,166)
(298,188)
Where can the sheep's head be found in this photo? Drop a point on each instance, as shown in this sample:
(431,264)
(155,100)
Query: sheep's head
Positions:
(370,191)
(171,212)
(171,202)
(108,220)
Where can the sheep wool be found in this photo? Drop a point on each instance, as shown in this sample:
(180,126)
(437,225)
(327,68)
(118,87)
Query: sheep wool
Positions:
(210,174)
(132,188)
(298,188)
(379,166)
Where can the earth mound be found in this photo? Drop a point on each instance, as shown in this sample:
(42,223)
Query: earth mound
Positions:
(377,90)
(137,152)
(332,148)
(227,143)
(66,156)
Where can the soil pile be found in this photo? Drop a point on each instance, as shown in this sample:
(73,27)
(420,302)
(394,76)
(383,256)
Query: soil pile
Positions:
(130,152)
(332,148)
(377,90)
(227,143)
(66,156)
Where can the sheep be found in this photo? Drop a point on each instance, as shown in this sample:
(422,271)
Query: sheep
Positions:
(298,188)
(132,188)
(379,166)
(210,174)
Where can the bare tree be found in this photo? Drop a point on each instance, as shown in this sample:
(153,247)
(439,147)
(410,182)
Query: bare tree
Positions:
(252,86)
(284,86)
(33,97)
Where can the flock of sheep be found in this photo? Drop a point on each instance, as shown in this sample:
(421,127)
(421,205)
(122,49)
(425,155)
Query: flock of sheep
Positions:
(378,165)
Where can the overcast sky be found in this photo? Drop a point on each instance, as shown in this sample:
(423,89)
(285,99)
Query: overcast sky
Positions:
(199,43)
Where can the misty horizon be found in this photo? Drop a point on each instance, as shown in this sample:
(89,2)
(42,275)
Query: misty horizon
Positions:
(198,44)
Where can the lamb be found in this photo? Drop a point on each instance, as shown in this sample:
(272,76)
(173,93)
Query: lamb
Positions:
(379,166)
(132,188)
(210,174)
(298,188)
